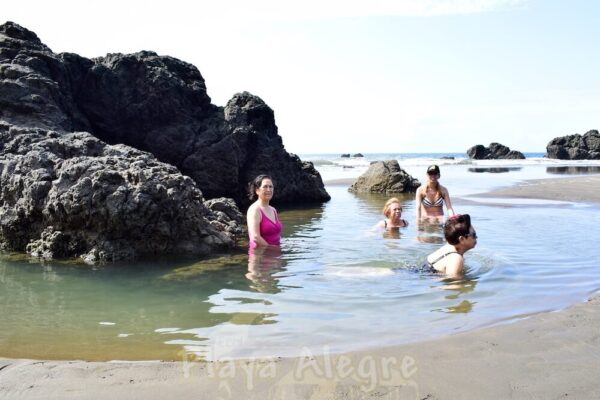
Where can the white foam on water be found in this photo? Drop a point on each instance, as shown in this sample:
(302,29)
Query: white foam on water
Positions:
(357,271)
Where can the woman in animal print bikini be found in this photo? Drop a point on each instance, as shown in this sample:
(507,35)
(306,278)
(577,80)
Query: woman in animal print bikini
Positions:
(431,197)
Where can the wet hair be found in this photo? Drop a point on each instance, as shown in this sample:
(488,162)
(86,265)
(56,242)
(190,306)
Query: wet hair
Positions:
(457,226)
(255,184)
(388,205)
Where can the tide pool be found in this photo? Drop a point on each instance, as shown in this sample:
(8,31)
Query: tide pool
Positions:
(335,285)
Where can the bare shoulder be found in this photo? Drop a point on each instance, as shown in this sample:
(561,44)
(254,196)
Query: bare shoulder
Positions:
(252,211)
(454,261)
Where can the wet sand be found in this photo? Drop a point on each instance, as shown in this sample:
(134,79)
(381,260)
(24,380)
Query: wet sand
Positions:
(579,189)
(545,356)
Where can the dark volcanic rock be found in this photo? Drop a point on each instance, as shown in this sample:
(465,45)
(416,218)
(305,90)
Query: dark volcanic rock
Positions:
(153,103)
(575,147)
(496,151)
(385,177)
(70,194)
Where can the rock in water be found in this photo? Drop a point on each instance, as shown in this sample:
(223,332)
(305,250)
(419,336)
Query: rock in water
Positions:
(154,103)
(496,151)
(385,177)
(112,158)
(575,147)
(66,195)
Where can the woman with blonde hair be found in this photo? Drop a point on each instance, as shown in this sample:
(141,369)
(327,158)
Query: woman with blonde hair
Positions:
(431,197)
(392,210)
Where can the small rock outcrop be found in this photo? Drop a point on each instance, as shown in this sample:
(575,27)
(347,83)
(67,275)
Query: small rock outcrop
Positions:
(385,177)
(575,147)
(495,151)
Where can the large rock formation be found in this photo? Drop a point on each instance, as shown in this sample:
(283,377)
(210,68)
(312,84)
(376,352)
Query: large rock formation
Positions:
(65,195)
(385,177)
(66,192)
(496,151)
(575,147)
(153,103)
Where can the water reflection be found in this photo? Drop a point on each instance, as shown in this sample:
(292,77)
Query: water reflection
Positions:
(493,170)
(392,233)
(122,311)
(459,289)
(263,264)
(573,170)
(430,232)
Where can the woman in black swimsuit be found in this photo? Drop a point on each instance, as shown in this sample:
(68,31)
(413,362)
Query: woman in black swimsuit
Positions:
(461,237)
(431,196)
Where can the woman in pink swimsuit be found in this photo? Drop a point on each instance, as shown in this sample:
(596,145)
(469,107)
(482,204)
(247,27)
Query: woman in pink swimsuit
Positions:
(264,226)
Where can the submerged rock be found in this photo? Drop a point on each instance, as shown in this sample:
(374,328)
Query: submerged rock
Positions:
(385,177)
(575,147)
(495,151)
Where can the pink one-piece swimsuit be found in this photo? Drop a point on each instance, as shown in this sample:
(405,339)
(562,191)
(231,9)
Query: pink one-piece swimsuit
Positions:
(269,230)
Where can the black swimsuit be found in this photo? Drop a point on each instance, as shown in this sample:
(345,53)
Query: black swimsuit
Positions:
(428,266)
(403,222)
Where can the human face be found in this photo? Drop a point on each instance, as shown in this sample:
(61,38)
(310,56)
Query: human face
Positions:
(433,176)
(471,237)
(266,189)
(395,211)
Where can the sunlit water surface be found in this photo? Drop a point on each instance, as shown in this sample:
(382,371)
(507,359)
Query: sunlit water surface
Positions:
(336,285)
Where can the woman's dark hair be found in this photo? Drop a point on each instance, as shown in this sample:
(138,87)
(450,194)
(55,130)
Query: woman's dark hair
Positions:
(457,226)
(255,184)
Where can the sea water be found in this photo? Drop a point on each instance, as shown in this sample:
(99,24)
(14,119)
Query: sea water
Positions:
(335,285)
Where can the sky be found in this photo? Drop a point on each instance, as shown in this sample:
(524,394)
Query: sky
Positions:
(347,76)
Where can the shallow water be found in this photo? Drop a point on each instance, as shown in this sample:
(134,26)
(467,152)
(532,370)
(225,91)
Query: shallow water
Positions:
(336,285)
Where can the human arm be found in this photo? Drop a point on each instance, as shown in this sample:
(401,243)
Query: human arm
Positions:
(446,195)
(253,217)
(418,199)
(379,225)
(454,266)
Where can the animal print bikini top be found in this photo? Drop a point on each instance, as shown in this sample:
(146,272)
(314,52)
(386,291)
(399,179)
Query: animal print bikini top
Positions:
(427,204)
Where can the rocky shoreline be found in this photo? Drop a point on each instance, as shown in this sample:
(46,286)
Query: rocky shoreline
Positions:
(114,157)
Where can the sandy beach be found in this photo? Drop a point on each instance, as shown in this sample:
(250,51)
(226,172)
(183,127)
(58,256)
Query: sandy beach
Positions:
(545,356)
